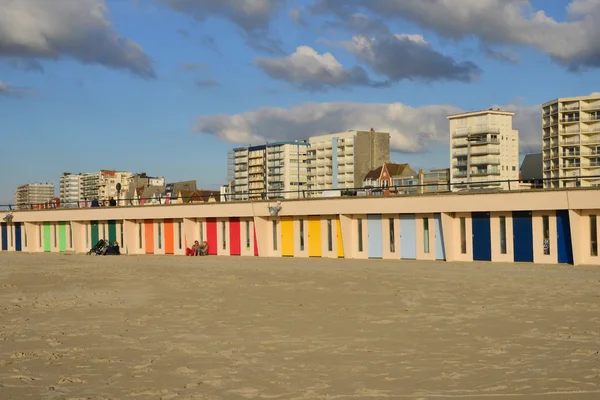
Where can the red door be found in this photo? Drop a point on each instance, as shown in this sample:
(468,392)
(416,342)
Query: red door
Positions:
(211,233)
(235,237)
(255,243)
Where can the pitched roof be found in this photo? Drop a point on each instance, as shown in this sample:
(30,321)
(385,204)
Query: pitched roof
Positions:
(393,170)
(396,169)
(374,173)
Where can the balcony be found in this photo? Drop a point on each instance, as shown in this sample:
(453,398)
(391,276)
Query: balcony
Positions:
(459,164)
(566,142)
(569,120)
(485,161)
(485,172)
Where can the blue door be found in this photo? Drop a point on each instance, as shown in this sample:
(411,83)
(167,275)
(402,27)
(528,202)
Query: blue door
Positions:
(565,247)
(523,236)
(4,237)
(408,236)
(18,243)
(375,236)
(440,253)
(482,240)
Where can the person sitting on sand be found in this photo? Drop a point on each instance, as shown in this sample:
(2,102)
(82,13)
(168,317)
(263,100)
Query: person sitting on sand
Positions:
(114,250)
(203,250)
(194,251)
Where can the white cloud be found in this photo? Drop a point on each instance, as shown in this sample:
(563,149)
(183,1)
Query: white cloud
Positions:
(44,29)
(574,42)
(405,56)
(311,70)
(412,129)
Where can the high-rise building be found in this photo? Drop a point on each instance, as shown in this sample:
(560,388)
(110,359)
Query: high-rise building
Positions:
(342,160)
(571,142)
(33,194)
(484,150)
(270,171)
(102,185)
(71,190)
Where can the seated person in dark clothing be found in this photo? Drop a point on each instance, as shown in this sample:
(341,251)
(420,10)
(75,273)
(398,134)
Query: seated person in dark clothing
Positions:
(112,202)
(95,203)
(113,250)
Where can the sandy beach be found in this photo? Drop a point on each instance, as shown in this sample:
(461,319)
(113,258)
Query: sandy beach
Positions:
(151,327)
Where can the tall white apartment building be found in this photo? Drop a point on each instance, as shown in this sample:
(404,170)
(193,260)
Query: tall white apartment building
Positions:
(71,190)
(342,160)
(33,194)
(271,171)
(484,150)
(571,142)
(102,185)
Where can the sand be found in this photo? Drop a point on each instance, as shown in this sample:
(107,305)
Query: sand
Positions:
(151,327)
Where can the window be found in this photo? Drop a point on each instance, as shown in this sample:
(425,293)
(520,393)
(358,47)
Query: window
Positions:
(201,231)
(360,235)
(546,232)
(55,236)
(11,235)
(178,234)
(301,235)
(274,235)
(329,236)
(593,236)
(502,235)
(70,235)
(463,235)
(426,235)
(247,234)
(104,231)
(122,234)
(392,236)
(25,235)
(160,235)
(223,235)
(140,234)
(514,168)
(40,237)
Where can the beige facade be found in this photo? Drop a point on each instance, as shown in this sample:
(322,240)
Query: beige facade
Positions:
(33,194)
(102,185)
(271,171)
(559,226)
(571,142)
(484,150)
(342,160)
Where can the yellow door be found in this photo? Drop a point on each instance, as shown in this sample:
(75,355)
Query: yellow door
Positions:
(287,236)
(314,237)
(340,244)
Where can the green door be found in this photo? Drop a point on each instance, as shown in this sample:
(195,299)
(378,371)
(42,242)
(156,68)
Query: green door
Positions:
(95,236)
(112,231)
(47,234)
(62,236)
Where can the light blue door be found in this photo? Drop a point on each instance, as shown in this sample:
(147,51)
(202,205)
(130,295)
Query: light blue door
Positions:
(440,253)
(375,236)
(408,236)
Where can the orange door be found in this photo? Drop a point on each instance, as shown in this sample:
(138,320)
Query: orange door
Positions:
(169,237)
(149,236)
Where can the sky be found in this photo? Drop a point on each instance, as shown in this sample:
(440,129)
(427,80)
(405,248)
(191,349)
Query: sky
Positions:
(167,87)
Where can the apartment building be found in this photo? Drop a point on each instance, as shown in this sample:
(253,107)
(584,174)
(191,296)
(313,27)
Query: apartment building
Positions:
(484,150)
(71,190)
(271,171)
(32,194)
(102,185)
(343,160)
(571,142)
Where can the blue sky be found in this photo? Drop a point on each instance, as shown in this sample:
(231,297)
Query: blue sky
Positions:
(167,87)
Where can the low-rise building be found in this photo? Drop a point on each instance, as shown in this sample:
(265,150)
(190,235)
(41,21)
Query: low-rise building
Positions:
(392,178)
